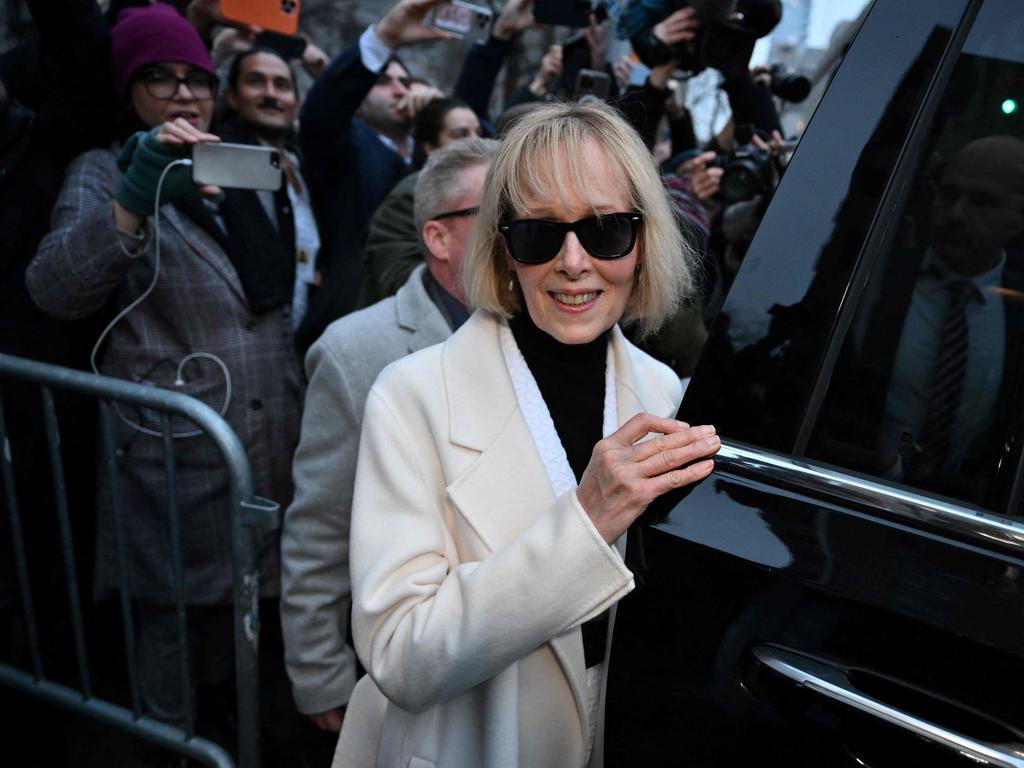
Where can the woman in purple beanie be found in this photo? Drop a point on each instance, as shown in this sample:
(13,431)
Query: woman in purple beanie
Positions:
(196,329)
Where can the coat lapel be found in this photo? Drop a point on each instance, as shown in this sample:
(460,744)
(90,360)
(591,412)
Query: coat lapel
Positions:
(484,417)
(508,476)
(416,313)
(205,246)
(635,393)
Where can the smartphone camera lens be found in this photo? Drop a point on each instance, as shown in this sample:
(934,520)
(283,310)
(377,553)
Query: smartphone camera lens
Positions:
(275,159)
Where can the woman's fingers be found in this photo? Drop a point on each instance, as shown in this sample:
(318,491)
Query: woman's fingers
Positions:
(677,478)
(626,472)
(671,458)
(640,425)
(180,131)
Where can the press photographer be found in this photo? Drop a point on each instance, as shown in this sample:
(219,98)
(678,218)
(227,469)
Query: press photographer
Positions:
(724,34)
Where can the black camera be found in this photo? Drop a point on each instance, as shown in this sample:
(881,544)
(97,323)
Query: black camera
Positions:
(724,40)
(789,86)
(749,171)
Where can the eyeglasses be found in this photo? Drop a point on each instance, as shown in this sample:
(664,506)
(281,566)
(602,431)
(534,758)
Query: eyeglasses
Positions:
(163,84)
(461,212)
(535,241)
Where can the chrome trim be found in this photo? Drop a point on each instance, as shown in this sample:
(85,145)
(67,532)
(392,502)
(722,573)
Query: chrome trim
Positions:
(834,684)
(915,507)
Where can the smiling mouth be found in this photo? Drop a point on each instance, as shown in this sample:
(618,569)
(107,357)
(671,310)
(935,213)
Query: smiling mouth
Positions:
(575,299)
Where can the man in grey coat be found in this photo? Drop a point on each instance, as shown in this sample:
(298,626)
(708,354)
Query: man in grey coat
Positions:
(342,366)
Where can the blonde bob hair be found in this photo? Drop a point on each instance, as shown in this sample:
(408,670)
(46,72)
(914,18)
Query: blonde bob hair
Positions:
(544,152)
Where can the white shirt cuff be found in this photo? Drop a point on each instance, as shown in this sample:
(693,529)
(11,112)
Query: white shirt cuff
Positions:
(373,53)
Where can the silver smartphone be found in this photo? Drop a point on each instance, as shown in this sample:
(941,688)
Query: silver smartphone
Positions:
(236,166)
(461,19)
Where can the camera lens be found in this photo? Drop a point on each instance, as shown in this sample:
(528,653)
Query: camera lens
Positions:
(739,182)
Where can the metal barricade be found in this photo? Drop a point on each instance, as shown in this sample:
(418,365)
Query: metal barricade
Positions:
(250,515)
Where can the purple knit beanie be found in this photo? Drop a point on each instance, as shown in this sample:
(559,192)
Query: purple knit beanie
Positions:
(150,35)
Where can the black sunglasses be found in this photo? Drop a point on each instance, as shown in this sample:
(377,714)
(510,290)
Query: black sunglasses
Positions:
(459,213)
(535,241)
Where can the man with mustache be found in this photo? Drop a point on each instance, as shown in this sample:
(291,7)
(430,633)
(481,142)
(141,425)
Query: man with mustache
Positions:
(260,104)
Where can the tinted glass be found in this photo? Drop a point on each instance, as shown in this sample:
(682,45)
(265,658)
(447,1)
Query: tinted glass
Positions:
(927,388)
(767,348)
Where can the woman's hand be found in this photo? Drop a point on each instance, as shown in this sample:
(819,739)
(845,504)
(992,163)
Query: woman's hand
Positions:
(181,133)
(143,160)
(625,475)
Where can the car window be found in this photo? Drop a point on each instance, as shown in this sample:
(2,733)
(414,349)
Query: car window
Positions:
(758,371)
(927,388)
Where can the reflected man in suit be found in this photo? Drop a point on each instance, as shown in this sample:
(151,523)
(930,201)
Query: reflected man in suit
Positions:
(955,361)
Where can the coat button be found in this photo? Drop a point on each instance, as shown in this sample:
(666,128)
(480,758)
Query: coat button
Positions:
(256,404)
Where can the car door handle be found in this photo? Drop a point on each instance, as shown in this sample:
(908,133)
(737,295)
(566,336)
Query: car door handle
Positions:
(834,683)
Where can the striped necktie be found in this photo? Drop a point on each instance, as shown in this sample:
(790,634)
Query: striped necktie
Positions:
(948,375)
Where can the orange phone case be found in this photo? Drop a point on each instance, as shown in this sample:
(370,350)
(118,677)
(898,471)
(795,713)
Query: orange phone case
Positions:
(274,15)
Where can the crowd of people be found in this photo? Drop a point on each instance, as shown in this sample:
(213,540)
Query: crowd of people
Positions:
(468,506)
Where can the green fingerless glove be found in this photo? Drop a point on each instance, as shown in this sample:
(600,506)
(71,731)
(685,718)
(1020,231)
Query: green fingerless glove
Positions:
(142,160)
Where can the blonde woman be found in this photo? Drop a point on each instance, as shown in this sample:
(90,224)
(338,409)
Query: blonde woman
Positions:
(499,471)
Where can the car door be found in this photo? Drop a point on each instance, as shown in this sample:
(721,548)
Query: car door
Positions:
(847,587)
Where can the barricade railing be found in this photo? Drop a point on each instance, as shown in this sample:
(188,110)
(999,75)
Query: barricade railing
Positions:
(251,515)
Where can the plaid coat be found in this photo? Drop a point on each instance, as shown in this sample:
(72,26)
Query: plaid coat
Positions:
(197,305)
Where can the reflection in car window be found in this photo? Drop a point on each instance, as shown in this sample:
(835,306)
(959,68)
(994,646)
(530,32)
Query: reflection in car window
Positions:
(927,388)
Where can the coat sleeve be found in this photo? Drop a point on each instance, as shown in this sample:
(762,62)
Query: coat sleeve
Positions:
(429,627)
(393,247)
(315,590)
(325,129)
(82,259)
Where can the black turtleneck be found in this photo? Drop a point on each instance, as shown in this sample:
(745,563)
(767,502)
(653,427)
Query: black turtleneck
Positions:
(570,378)
(571,381)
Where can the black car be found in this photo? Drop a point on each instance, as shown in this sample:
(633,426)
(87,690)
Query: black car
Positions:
(847,587)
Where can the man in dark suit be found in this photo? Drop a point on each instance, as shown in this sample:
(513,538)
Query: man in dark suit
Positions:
(356,146)
(261,102)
